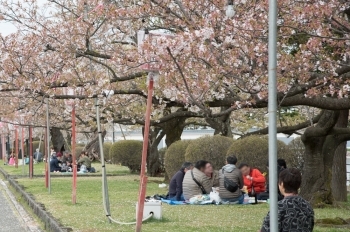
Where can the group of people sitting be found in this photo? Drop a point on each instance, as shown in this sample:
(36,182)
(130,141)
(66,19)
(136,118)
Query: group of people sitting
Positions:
(199,179)
(11,160)
(64,163)
(295,213)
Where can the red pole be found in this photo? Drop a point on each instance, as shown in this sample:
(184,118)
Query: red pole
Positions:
(46,162)
(143,177)
(16,147)
(30,152)
(3,148)
(74,187)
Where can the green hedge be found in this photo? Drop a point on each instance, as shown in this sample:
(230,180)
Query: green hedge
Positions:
(297,148)
(254,151)
(175,156)
(35,146)
(127,153)
(106,147)
(210,148)
(161,153)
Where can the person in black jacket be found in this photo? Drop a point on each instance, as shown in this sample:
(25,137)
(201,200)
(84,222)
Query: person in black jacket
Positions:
(54,164)
(175,186)
(281,165)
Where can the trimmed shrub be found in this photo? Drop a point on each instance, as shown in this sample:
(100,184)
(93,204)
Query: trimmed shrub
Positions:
(175,156)
(128,153)
(35,146)
(210,148)
(297,150)
(161,153)
(106,147)
(254,151)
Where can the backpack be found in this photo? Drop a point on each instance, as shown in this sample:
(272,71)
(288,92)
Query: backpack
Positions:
(229,185)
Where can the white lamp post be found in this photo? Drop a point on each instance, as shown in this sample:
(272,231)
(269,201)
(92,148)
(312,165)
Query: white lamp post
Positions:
(272,108)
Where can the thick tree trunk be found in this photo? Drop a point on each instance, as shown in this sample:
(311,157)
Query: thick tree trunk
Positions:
(57,139)
(221,125)
(154,166)
(339,163)
(173,129)
(339,174)
(93,147)
(321,143)
(319,149)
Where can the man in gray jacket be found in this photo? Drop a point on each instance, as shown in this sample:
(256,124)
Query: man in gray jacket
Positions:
(231,172)
(195,181)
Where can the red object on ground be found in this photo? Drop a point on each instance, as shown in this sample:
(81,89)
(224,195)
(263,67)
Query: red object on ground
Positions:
(74,181)
(258,182)
(143,177)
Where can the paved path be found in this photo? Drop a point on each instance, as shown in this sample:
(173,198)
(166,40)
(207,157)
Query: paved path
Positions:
(13,217)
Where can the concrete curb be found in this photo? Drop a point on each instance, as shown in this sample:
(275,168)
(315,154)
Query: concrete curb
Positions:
(51,224)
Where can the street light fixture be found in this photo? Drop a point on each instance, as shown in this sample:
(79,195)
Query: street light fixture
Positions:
(230,11)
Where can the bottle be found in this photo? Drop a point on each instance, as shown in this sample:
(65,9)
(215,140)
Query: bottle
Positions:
(246,198)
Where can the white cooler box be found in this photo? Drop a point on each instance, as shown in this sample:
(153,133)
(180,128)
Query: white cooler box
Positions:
(154,207)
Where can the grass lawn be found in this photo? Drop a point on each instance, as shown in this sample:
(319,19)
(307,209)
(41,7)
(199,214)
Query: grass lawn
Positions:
(39,169)
(87,215)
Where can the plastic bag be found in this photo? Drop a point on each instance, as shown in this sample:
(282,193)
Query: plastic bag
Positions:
(214,196)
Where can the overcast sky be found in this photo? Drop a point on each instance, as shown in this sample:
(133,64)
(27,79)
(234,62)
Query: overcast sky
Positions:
(8,28)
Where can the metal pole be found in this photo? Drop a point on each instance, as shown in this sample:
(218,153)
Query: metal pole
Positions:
(272,109)
(16,147)
(104,176)
(143,177)
(31,152)
(48,146)
(74,183)
(113,132)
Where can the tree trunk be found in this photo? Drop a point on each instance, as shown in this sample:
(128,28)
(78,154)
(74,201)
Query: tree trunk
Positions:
(221,125)
(93,147)
(339,163)
(319,152)
(57,139)
(173,128)
(154,165)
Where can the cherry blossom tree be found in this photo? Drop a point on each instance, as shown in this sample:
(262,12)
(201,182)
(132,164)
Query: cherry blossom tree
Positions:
(213,67)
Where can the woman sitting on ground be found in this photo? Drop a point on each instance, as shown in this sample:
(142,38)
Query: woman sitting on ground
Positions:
(294,213)
(253,179)
(12,160)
